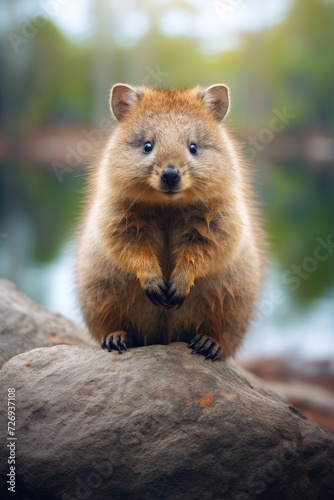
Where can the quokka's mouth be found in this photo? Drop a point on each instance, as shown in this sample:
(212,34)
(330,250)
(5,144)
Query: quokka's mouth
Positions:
(170,192)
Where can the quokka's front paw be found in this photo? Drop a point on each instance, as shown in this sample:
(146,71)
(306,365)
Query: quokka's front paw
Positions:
(178,289)
(115,341)
(201,344)
(155,289)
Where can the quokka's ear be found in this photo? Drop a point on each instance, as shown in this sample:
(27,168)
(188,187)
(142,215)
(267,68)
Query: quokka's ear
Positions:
(216,99)
(122,99)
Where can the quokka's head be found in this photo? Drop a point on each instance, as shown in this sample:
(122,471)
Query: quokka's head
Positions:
(169,146)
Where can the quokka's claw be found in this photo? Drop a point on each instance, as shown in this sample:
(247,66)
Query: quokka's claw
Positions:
(201,344)
(114,341)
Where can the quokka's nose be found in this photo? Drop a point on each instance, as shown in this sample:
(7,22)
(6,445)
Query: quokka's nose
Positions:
(170,176)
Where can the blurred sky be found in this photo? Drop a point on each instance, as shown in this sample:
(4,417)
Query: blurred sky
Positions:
(217,23)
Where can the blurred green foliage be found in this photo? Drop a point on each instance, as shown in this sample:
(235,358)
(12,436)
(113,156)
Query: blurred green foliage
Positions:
(299,207)
(290,64)
(56,82)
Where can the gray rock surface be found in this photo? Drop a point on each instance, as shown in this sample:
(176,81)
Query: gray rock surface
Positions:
(155,423)
(25,325)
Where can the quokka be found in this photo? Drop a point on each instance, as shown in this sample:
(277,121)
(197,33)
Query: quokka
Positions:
(170,246)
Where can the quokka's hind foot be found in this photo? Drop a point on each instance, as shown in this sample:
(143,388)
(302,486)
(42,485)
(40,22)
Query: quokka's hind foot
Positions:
(115,341)
(201,344)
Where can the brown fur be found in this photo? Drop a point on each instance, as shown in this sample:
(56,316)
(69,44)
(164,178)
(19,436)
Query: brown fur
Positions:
(205,239)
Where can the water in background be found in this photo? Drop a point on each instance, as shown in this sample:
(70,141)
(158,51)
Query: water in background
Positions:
(295,315)
(279,329)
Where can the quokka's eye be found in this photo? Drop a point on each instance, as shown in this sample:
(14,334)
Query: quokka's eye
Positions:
(148,147)
(193,148)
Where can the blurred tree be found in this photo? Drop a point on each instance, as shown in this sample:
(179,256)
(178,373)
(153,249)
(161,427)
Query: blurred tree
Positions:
(292,64)
(53,81)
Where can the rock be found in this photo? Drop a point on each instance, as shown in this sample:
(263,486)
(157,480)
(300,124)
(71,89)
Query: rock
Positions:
(316,403)
(306,384)
(155,423)
(25,325)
